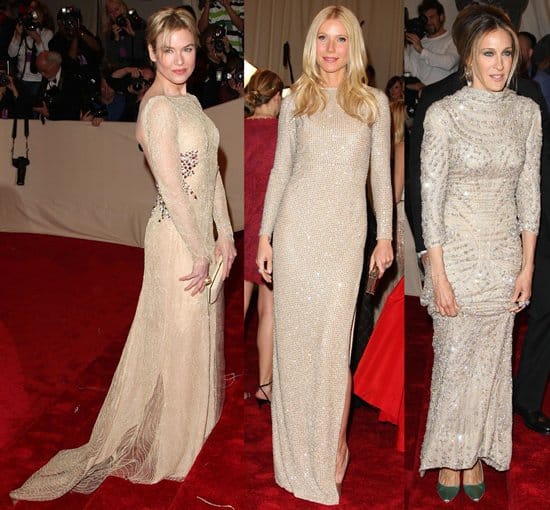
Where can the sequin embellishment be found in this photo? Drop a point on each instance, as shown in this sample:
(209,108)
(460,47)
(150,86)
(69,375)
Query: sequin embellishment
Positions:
(189,160)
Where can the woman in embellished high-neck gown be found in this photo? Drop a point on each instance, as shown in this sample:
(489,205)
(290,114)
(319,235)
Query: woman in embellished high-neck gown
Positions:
(480,215)
(167,393)
(332,127)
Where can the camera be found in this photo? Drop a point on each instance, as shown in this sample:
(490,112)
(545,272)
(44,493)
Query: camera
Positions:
(139,83)
(4,79)
(218,38)
(69,17)
(92,98)
(98,110)
(121,21)
(21,164)
(91,94)
(29,21)
(49,97)
(132,15)
(416,26)
(237,75)
(136,21)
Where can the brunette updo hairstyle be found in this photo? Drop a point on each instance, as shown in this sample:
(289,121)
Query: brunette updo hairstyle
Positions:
(471,24)
(262,87)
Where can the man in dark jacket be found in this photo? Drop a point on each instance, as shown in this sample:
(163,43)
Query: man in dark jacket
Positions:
(60,90)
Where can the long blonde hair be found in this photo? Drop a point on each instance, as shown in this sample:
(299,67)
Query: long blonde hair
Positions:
(107,21)
(398,116)
(353,96)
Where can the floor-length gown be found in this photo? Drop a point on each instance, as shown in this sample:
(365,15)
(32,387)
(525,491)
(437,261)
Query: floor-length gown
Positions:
(316,209)
(167,392)
(480,189)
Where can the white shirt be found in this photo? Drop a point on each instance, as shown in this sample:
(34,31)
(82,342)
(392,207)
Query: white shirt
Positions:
(54,82)
(23,52)
(437,60)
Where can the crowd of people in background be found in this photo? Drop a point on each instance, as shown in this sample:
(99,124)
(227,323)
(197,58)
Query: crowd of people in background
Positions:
(62,70)
(430,54)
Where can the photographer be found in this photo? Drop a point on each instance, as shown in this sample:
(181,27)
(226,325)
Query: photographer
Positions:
(76,44)
(133,82)
(9,97)
(124,34)
(110,105)
(213,65)
(227,13)
(430,54)
(60,90)
(30,37)
(233,84)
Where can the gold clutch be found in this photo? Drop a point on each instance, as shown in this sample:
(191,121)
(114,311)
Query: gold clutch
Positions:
(215,286)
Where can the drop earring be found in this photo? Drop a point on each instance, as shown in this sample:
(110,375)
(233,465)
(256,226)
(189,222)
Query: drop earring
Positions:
(468,76)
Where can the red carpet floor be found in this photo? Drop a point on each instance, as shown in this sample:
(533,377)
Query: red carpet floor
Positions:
(375,478)
(523,487)
(66,306)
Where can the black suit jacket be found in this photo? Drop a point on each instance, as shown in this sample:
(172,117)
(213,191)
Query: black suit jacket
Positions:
(66,100)
(446,87)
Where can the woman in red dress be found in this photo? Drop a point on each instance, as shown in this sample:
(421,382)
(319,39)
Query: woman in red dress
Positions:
(262,104)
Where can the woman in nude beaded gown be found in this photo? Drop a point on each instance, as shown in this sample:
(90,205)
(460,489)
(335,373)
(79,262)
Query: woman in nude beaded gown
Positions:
(480,191)
(167,392)
(330,128)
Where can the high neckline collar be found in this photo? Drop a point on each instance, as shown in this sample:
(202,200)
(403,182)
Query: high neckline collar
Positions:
(485,96)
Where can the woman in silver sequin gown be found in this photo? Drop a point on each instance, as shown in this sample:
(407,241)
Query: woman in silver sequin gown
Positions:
(167,393)
(330,128)
(480,191)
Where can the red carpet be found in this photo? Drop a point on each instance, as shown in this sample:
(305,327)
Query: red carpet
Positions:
(66,306)
(375,477)
(523,487)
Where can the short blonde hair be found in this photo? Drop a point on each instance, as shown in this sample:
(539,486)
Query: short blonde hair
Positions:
(168,20)
(353,96)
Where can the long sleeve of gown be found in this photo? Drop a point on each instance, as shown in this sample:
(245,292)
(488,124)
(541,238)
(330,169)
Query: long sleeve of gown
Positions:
(282,166)
(528,189)
(221,214)
(380,169)
(161,131)
(434,170)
